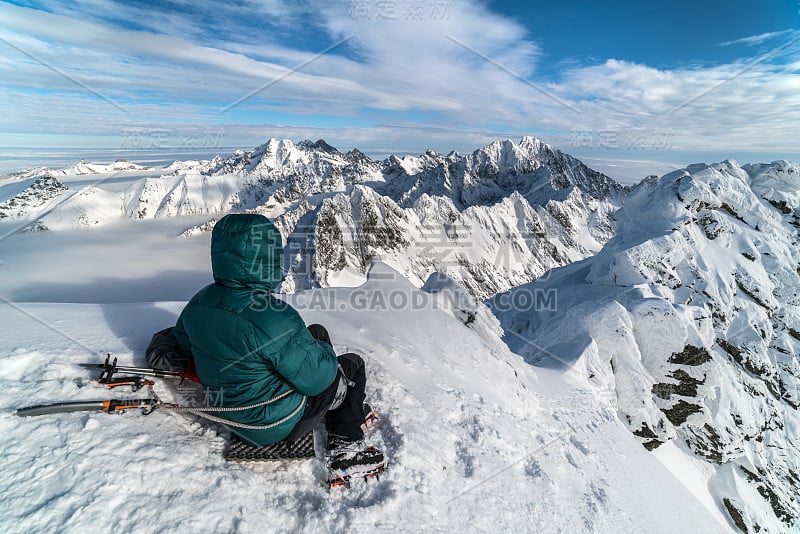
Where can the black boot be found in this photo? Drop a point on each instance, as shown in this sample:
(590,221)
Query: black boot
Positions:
(353,457)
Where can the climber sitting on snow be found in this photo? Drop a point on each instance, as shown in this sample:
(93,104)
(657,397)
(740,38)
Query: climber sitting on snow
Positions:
(249,347)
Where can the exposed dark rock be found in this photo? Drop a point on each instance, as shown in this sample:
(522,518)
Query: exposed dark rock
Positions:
(730,211)
(559,215)
(736,515)
(794,333)
(794,479)
(686,386)
(328,242)
(40,192)
(377,233)
(320,144)
(730,349)
(781,206)
(707,443)
(743,360)
(690,355)
(711,224)
(652,445)
(680,412)
(645,432)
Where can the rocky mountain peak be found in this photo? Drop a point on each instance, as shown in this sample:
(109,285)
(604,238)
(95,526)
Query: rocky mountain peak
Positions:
(318,145)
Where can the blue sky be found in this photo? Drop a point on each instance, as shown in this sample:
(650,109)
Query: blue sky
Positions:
(630,87)
(659,34)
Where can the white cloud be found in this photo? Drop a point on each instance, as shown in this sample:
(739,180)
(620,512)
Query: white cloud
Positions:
(115,46)
(738,106)
(760,38)
(403,67)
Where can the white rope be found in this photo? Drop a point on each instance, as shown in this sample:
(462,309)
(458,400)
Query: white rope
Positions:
(201,412)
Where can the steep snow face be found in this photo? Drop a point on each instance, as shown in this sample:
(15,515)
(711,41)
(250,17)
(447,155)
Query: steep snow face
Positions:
(484,248)
(688,323)
(779,184)
(185,192)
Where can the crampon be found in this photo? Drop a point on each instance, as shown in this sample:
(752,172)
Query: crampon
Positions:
(343,480)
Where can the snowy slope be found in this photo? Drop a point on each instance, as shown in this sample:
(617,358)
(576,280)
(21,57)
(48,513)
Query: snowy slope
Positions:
(688,321)
(478,440)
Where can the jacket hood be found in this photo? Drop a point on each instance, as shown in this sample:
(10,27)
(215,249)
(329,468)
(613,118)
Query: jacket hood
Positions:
(246,251)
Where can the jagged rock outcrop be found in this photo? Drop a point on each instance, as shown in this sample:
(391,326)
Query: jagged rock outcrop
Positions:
(34,197)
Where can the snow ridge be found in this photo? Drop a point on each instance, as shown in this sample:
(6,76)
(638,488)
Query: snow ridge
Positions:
(687,322)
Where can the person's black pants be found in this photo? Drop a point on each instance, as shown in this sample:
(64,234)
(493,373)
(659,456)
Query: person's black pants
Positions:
(345,420)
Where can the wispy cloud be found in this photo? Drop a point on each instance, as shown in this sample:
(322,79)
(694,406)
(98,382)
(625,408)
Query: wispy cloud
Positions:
(760,38)
(619,95)
(385,74)
(135,55)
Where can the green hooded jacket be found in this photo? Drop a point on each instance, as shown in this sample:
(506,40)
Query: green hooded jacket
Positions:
(249,346)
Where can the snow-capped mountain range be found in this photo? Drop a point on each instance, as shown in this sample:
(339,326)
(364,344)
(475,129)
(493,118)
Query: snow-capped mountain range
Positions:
(491,220)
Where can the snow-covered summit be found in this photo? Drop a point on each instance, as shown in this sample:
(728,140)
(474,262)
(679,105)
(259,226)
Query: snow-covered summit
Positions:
(83,167)
(779,184)
(532,168)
